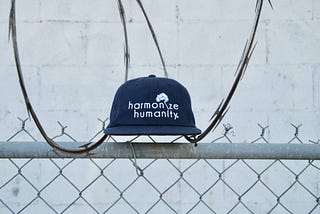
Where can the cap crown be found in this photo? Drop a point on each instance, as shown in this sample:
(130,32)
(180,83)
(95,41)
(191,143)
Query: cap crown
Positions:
(152,105)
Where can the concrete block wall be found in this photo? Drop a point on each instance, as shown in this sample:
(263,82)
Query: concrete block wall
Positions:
(72,57)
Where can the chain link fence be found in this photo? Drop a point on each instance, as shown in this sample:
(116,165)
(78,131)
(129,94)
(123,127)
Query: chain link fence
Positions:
(159,185)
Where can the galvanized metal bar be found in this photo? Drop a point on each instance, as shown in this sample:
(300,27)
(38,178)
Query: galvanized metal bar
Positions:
(168,151)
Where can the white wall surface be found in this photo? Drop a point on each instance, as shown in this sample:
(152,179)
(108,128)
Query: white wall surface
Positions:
(72,59)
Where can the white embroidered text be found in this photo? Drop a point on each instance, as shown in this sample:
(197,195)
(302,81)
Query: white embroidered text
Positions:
(159,109)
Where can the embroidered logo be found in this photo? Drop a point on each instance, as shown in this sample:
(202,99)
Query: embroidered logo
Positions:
(162,108)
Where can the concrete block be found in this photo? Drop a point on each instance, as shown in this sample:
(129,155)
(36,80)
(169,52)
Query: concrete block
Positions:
(6,53)
(79,11)
(10,93)
(142,48)
(104,44)
(212,42)
(253,91)
(91,88)
(287,10)
(157,11)
(315,10)
(206,93)
(315,87)
(136,71)
(28,11)
(272,88)
(281,130)
(216,10)
(293,42)
(291,87)
(244,125)
(5,10)
(51,43)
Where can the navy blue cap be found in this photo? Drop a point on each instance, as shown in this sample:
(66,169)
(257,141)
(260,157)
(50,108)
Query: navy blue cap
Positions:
(152,106)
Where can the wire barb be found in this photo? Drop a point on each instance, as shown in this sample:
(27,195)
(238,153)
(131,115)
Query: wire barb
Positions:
(263,129)
(296,129)
(270,3)
(314,142)
(227,128)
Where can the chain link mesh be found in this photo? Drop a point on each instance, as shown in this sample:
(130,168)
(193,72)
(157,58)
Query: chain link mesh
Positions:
(159,186)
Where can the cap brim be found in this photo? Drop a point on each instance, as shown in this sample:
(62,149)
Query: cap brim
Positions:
(152,130)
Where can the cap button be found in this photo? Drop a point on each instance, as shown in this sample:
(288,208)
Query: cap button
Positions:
(152,75)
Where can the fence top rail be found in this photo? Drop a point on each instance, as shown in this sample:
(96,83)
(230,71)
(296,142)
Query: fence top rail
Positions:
(168,151)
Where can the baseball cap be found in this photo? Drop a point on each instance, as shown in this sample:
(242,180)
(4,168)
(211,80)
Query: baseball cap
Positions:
(152,106)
